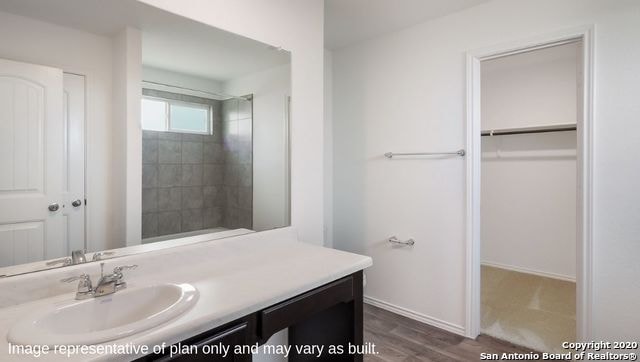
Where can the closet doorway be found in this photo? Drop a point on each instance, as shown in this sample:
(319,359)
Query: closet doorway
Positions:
(529,116)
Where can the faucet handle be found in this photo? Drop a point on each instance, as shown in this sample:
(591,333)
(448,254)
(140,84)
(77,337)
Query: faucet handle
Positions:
(99,255)
(82,277)
(119,269)
(85,287)
(119,277)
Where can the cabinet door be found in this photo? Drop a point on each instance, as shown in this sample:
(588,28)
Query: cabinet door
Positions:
(300,308)
(205,349)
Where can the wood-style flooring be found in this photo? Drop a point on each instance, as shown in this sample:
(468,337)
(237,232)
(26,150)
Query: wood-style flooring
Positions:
(398,338)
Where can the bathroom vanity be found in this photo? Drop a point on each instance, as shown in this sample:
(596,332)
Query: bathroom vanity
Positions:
(249,287)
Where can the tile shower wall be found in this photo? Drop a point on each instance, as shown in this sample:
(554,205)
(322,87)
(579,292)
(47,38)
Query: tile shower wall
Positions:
(238,172)
(182,176)
(192,182)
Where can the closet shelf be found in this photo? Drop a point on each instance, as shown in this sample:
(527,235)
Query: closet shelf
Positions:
(527,130)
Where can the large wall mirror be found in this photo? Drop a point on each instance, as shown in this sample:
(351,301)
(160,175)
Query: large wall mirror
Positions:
(124,128)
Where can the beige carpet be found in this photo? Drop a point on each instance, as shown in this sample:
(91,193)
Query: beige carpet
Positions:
(528,310)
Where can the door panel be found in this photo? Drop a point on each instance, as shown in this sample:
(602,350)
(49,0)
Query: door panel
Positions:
(21,142)
(21,243)
(31,155)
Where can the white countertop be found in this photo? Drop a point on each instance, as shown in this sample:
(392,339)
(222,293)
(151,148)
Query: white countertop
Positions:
(235,277)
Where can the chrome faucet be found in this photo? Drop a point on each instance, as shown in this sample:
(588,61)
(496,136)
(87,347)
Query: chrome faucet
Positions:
(107,284)
(77,257)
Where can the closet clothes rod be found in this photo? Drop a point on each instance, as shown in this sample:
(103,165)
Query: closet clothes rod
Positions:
(506,132)
(460,153)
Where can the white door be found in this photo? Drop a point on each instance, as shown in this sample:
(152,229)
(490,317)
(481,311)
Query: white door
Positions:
(73,161)
(31,163)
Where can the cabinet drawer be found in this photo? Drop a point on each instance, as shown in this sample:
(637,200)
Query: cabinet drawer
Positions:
(290,312)
(231,337)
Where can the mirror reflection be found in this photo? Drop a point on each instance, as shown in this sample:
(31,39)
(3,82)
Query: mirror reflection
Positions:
(123,126)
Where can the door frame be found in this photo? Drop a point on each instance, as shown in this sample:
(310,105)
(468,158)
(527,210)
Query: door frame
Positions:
(80,169)
(585,132)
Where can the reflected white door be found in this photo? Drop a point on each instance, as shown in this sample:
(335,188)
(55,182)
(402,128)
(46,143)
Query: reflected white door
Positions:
(31,163)
(73,161)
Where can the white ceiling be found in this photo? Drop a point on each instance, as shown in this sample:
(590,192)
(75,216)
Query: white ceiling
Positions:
(169,42)
(350,21)
(192,48)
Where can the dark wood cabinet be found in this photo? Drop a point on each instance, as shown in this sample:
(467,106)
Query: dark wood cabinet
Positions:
(215,345)
(210,348)
(294,310)
(330,315)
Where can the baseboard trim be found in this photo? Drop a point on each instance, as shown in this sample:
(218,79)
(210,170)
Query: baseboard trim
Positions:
(529,271)
(435,322)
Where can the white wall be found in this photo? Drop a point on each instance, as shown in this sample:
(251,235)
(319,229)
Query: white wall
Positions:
(297,26)
(180,80)
(406,91)
(127,155)
(270,89)
(74,51)
(328,148)
(532,89)
(528,208)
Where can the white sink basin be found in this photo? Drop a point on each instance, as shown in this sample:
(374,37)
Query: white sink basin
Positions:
(102,319)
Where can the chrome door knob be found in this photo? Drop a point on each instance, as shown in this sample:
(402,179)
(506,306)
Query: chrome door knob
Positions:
(76,203)
(54,207)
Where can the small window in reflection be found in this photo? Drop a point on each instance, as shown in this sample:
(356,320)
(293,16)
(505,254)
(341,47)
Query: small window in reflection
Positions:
(154,114)
(189,118)
(175,116)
